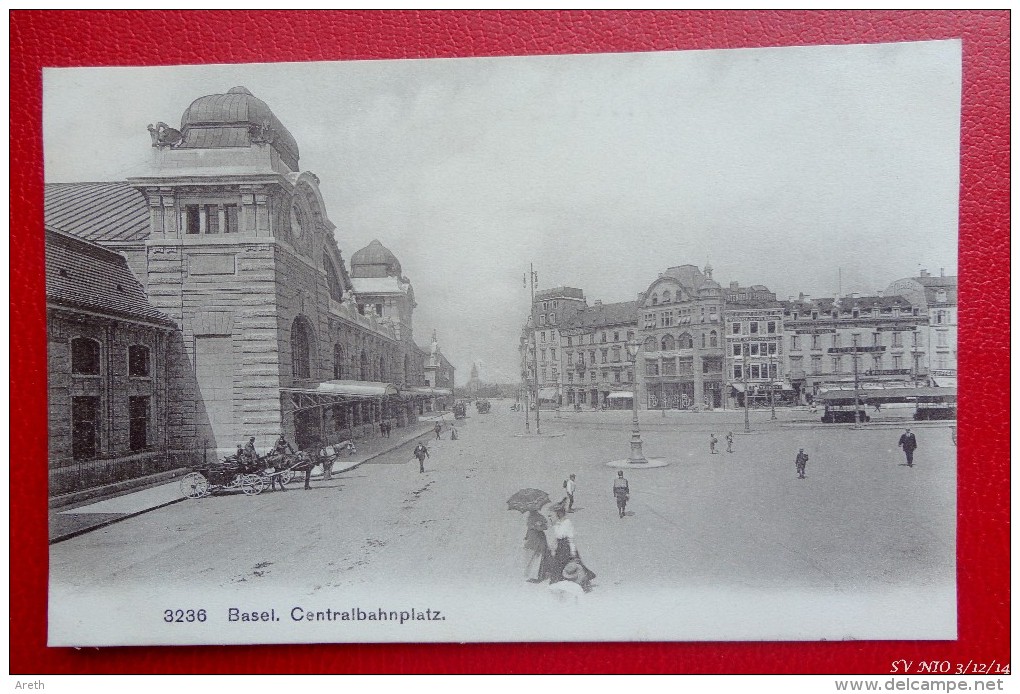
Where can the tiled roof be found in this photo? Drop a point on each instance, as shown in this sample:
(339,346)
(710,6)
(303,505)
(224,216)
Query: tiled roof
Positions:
(605,314)
(82,275)
(933,284)
(109,211)
(826,305)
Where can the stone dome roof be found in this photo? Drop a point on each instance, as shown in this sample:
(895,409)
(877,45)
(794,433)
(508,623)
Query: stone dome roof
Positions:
(236,119)
(375,260)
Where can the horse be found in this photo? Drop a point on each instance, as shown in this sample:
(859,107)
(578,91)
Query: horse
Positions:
(307,461)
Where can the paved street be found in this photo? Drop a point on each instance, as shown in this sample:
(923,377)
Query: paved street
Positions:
(863,538)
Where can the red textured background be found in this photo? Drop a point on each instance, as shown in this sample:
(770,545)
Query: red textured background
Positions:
(42,39)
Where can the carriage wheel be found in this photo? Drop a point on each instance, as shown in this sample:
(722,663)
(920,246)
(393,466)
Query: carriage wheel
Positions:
(194,486)
(287,476)
(252,485)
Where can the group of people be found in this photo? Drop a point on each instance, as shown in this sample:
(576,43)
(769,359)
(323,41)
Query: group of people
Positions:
(555,557)
(713,442)
(908,442)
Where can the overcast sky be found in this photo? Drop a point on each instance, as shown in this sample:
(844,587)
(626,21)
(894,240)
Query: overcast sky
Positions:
(779,166)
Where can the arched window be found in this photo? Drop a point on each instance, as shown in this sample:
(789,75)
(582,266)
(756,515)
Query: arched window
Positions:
(84,356)
(666,297)
(704,338)
(407,369)
(301,348)
(713,339)
(686,341)
(668,343)
(138,361)
(338,361)
(651,345)
(655,299)
(363,367)
(382,369)
(336,290)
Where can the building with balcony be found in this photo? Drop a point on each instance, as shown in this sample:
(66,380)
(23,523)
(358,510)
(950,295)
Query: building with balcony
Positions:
(887,337)
(593,349)
(681,326)
(551,309)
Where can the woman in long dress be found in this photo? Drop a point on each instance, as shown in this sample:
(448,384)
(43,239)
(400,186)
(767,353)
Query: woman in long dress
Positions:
(536,548)
(566,563)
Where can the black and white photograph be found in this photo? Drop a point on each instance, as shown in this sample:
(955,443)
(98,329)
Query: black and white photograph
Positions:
(612,347)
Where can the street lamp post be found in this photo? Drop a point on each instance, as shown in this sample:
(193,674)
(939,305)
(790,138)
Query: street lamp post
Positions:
(857,398)
(772,387)
(745,367)
(636,456)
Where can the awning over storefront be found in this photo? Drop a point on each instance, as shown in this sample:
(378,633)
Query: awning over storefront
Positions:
(547,394)
(426,391)
(620,395)
(739,387)
(336,392)
(784,385)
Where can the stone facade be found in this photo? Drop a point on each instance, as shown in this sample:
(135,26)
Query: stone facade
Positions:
(240,256)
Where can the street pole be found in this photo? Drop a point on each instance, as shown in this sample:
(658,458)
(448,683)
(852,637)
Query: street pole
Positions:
(636,455)
(857,400)
(746,353)
(772,387)
(524,396)
(534,350)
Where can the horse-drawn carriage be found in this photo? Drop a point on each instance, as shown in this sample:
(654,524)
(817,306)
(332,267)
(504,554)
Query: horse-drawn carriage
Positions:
(460,411)
(483,406)
(251,476)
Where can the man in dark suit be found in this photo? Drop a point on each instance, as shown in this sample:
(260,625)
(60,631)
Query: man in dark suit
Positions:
(908,442)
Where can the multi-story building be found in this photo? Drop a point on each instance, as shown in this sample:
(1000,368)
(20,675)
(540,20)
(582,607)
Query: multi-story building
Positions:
(232,243)
(551,309)
(936,295)
(755,363)
(681,326)
(594,358)
(887,336)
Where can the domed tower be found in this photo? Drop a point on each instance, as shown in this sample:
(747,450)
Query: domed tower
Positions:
(241,253)
(375,260)
(381,289)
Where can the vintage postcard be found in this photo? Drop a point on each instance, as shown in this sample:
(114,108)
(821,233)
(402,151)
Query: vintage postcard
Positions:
(616,347)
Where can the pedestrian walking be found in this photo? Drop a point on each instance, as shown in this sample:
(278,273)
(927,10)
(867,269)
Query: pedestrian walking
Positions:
(453,434)
(801,463)
(729,442)
(421,453)
(570,485)
(908,442)
(712,443)
(621,490)
(438,429)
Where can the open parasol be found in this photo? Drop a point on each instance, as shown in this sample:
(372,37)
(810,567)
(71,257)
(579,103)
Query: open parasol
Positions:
(527,500)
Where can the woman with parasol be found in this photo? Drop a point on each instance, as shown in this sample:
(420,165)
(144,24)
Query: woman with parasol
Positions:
(536,548)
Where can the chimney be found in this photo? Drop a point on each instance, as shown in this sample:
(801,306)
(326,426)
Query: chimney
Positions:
(598,302)
(855,295)
(925,273)
(942,272)
(735,286)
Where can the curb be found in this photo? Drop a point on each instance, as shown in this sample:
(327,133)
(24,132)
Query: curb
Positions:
(109,521)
